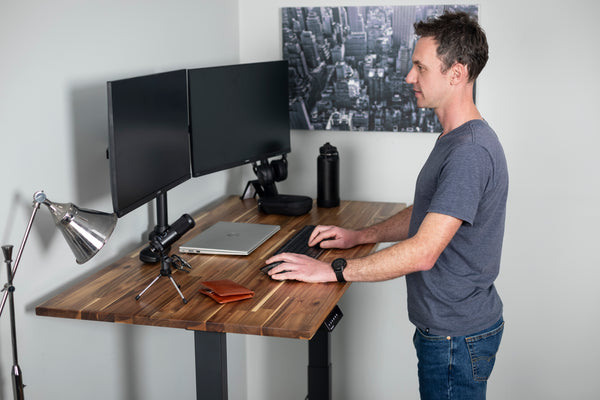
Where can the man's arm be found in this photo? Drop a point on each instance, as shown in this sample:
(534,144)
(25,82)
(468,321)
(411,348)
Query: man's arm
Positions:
(393,229)
(417,253)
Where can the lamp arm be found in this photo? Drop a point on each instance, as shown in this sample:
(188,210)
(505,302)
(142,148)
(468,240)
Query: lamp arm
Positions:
(39,198)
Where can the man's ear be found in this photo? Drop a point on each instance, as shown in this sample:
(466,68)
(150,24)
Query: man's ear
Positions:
(458,73)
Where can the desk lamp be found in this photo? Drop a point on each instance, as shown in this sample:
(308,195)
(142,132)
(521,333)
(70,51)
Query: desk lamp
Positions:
(86,232)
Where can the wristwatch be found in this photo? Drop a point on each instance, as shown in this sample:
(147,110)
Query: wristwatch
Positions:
(338,266)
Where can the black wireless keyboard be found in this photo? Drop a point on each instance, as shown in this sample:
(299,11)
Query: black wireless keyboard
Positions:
(297,244)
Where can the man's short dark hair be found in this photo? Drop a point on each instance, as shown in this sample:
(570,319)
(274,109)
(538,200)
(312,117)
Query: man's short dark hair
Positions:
(460,40)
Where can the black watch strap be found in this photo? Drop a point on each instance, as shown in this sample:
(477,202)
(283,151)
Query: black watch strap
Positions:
(338,266)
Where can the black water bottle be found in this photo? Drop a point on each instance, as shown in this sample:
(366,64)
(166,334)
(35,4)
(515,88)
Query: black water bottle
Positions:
(328,176)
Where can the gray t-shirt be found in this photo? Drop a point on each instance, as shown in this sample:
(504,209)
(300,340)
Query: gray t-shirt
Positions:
(465,177)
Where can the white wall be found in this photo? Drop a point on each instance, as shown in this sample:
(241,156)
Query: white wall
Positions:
(540,93)
(56,59)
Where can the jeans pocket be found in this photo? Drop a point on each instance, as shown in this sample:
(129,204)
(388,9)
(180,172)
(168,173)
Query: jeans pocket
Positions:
(482,350)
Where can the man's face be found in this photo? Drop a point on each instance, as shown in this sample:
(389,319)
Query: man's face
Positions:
(430,85)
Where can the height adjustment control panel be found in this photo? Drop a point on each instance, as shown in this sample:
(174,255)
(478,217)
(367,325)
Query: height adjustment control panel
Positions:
(333,318)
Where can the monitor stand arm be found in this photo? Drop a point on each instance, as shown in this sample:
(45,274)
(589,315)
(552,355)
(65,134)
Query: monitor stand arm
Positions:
(162,225)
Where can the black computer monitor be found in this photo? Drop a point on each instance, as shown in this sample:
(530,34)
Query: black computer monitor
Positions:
(238,114)
(148,138)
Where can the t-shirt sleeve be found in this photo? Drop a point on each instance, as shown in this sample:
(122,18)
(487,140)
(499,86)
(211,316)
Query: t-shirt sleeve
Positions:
(463,178)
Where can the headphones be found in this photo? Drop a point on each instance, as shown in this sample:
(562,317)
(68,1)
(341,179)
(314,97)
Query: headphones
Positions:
(280,171)
(271,172)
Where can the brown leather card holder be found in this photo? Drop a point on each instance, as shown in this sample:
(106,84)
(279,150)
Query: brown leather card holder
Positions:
(225,291)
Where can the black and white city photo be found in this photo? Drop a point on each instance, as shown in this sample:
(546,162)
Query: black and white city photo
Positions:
(348,65)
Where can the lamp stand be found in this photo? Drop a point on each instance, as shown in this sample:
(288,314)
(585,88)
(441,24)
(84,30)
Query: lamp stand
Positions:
(17,376)
(9,289)
(85,231)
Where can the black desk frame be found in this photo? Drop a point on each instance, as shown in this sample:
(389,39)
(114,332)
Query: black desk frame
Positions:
(211,365)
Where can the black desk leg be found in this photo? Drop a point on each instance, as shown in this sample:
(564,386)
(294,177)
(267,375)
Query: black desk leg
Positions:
(319,366)
(211,365)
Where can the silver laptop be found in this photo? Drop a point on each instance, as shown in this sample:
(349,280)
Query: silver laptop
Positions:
(229,238)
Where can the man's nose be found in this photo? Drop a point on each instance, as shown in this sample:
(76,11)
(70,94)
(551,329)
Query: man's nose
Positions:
(410,78)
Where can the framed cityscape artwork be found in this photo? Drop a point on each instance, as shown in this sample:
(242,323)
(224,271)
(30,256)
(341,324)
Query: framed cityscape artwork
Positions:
(348,65)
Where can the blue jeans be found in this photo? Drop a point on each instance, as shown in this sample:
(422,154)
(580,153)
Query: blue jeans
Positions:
(456,368)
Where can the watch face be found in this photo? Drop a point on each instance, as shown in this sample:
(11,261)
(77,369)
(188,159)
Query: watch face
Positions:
(339,264)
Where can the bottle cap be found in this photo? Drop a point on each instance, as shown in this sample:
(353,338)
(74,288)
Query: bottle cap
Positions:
(328,150)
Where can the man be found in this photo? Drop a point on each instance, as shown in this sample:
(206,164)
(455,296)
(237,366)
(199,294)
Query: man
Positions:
(450,240)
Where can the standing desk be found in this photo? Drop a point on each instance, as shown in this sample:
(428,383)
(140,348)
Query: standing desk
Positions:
(283,309)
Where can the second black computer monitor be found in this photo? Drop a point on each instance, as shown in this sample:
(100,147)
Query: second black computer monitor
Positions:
(238,114)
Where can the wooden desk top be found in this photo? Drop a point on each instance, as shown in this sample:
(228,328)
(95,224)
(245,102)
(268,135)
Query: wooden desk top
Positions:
(285,309)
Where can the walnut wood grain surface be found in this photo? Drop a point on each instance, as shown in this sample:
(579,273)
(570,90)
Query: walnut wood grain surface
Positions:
(285,309)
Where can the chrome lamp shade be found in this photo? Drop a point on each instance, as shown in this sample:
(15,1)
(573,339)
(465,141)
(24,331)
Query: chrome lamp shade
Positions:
(85,231)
